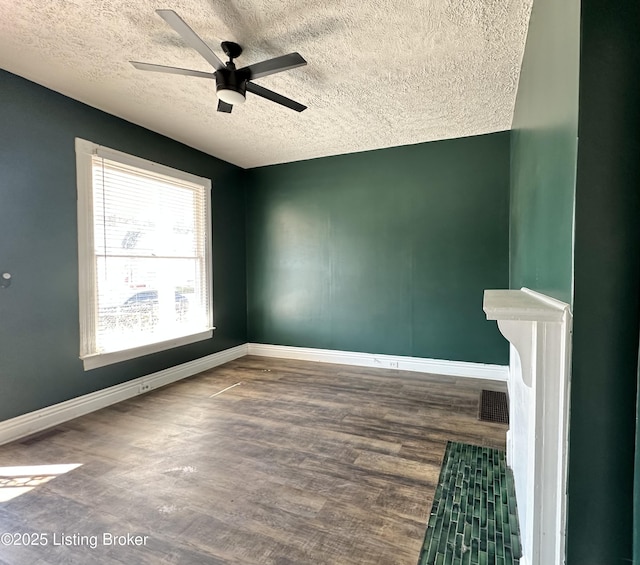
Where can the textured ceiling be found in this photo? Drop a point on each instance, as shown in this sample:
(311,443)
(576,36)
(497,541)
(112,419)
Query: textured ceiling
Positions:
(380,73)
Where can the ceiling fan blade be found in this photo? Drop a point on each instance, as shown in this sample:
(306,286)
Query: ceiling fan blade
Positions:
(275,65)
(275,97)
(190,37)
(224,107)
(172,70)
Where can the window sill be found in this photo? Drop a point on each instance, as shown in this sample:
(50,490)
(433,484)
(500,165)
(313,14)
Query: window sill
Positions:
(104,359)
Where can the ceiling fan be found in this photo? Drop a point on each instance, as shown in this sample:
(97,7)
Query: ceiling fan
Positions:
(231,84)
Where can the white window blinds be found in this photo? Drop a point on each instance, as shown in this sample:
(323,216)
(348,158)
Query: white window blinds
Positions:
(146,258)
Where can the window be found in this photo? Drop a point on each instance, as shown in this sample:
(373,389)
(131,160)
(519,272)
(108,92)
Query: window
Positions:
(144,252)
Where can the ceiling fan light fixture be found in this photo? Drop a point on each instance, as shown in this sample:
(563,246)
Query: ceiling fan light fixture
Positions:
(231,96)
(231,86)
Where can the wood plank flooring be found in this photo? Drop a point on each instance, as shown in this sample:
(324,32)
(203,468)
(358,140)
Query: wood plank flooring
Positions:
(303,463)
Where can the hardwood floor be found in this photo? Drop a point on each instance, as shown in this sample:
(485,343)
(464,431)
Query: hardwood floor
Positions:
(302,463)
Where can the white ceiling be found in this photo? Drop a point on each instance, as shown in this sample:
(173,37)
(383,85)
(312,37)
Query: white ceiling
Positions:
(380,73)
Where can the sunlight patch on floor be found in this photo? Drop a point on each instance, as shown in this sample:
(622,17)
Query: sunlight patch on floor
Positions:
(20,479)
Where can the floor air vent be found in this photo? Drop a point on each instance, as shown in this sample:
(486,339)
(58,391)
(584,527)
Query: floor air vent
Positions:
(493,407)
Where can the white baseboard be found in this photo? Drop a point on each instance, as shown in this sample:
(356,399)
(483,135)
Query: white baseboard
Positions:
(418,364)
(33,422)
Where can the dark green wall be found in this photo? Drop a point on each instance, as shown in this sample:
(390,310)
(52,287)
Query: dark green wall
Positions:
(39,338)
(600,218)
(385,251)
(543,152)
(636,492)
(607,286)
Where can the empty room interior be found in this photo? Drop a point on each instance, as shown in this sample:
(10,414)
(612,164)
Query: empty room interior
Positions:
(332,284)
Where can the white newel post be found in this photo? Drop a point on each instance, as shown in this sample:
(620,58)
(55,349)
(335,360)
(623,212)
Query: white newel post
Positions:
(539,330)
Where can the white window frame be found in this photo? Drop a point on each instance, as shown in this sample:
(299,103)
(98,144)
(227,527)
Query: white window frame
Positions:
(85,150)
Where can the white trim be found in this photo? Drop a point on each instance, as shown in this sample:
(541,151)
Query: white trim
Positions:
(33,422)
(403,363)
(86,277)
(103,359)
(138,162)
(538,328)
(208,251)
(523,304)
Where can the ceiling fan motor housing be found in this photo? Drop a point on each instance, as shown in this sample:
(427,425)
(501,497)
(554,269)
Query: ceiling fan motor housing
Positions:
(230,79)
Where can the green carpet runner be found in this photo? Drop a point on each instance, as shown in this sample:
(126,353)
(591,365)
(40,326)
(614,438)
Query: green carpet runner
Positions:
(473,520)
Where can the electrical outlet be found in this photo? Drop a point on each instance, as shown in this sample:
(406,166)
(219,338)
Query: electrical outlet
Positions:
(144,387)
(393,364)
